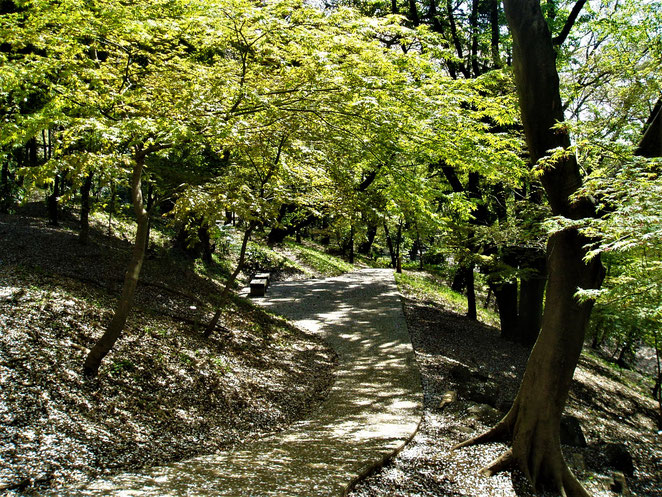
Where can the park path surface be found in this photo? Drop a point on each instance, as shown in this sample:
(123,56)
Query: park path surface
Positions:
(373,408)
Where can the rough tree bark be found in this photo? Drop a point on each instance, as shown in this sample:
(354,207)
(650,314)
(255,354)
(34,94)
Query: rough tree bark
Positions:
(533,423)
(114,330)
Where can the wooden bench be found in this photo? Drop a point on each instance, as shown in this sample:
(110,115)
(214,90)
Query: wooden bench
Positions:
(258,287)
(263,276)
(259,284)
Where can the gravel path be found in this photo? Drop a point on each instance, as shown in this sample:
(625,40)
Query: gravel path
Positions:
(373,409)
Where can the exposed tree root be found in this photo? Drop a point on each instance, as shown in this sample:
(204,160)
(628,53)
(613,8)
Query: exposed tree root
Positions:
(504,462)
(535,451)
(501,432)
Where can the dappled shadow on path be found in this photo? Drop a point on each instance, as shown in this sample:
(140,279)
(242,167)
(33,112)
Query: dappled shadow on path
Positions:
(373,409)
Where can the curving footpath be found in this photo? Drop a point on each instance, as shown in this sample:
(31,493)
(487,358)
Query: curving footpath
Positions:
(373,409)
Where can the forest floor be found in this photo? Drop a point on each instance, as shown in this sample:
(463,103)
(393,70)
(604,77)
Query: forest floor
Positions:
(470,376)
(164,392)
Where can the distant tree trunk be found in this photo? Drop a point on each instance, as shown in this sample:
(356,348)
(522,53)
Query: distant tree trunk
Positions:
(658,382)
(325,240)
(5,188)
(228,284)
(473,21)
(150,206)
(532,294)
(111,208)
(627,350)
(278,234)
(205,241)
(456,42)
(505,294)
(419,245)
(391,249)
(471,294)
(460,278)
(114,330)
(413,13)
(371,232)
(351,244)
(85,209)
(398,244)
(496,36)
(52,201)
(533,422)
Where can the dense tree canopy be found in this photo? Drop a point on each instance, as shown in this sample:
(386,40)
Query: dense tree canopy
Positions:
(398,121)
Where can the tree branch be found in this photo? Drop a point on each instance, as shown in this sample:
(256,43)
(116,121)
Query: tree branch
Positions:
(561,37)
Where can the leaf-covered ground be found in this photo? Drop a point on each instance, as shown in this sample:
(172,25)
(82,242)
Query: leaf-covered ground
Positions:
(470,377)
(163,393)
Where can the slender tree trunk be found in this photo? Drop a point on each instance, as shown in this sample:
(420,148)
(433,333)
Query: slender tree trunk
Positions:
(85,210)
(658,383)
(495,38)
(5,189)
(114,330)
(389,244)
(111,208)
(471,294)
(398,244)
(533,422)
(150,206)
(228,284)
(351,244)
(52,202)
(419,245)
(626,352)
(473,21)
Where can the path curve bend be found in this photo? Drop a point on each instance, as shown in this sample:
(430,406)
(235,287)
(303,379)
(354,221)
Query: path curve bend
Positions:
(372,411)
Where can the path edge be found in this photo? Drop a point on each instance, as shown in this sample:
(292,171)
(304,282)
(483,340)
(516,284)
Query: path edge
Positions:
(373,468)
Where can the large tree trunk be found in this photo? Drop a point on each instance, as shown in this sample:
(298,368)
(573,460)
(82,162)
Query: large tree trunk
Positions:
(114,330)
(533,423)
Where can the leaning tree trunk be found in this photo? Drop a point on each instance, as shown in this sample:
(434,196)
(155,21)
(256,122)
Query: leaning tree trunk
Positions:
(114,330)
(533,423)
(228,284)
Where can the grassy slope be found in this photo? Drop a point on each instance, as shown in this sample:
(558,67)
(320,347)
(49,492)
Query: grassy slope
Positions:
(426,286)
